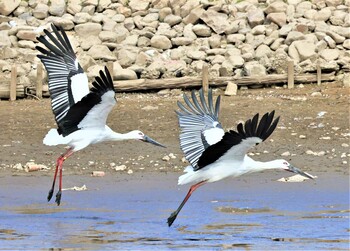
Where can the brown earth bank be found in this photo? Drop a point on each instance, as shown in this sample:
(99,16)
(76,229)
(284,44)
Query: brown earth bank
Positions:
(313,132)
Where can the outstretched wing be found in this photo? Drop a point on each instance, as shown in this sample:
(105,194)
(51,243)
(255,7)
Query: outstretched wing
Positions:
(93,109)
(68,83)
(235,144)
(199,125)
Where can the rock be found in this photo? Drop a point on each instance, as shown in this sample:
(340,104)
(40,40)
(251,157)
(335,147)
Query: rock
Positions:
(196,55)
(98,173)
(27,35)
(18,166)
(100,51)
(160,42)
(278,18)
(172,19)
(331,43)
(255,17)
(235,38)
(316,94)
(285,154)
(201,30)
(338,39)
(194,15)
(258,30)
(138,5)
(262,51)
(92,29)
(188,6)
(125,74)
(323,15)
(130,171)
(180,41)
(108,36)
(188,32)
(7,6)
(120,168)
(149,107)
(164,12)
(236,61)
(215,20)
(296,178)
(74,7)
(166,158)
(231,89)
(4,39)
(346,44)
(87,43)
(305,49)
(82,17)
(126,57)
(346,80)
(32,167)
(329,54)
(57,7)
(277,6)
(302,137)
(41,11)
(294,36)
(253,68)
(302,7)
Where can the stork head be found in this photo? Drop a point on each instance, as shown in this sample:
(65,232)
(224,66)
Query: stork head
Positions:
(290,168)
(136,134)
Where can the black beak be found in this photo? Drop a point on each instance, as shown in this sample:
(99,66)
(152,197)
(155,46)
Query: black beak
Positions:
(298,171)
(152,141)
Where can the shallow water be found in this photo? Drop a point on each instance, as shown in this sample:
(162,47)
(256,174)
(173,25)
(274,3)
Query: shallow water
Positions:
(130,212)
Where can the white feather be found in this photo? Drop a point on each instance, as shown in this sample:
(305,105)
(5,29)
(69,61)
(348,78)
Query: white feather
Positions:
(79,86)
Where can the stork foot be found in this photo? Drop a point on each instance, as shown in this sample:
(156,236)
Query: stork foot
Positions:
(172,218)
(58,198)
(49,196)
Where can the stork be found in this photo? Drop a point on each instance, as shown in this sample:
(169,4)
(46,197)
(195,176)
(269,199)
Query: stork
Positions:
(214,154)
(80,112)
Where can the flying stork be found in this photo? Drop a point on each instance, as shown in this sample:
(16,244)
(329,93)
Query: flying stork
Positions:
(214,154)
(80,113)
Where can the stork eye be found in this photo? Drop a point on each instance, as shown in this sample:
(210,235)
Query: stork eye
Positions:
(285,163)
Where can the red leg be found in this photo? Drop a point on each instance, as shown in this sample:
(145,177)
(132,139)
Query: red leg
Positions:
(59,163)
(173,216)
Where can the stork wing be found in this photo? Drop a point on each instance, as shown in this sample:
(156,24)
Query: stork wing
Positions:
(93,109)
(199,125)
(235,144)
(68,83)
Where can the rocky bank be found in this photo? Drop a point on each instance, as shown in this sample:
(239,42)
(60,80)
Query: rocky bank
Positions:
(174,38)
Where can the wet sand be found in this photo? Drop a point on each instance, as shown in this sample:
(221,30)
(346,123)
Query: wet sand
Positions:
(129,212)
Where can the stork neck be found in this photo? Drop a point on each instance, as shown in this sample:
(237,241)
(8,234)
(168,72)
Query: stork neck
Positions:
(257,166)
(122,136)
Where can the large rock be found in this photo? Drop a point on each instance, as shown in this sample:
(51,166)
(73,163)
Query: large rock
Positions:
(124,74)
(57,7)
(323,15)
(41,11)
(187,7)
(126,57)
(196,55)
(160,42)
(216,20)
(263,50)
(92,29)
(27,35)
(180,41)
(4,39)
(172,19)
(82,17)
(255,17)
(194,15)
(294,36)
(89,41)
(101,52)
(7,6)
(278,18)
(329,54)
(201,30)
(254,68)
(108,36)
(305,49)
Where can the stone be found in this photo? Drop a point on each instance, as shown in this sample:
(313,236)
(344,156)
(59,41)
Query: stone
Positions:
(108,36)
(305,49)
(82,17)
(8,6)
(27,35)
(231,89)
(236,61)
(216,20)
(331,43)
(262,51)
(124,74)
(258,30)
(194,15)
(277,44)
(346,44)
(121,32)
(302,7)
(278,18)
(4,39)
(57,7)
(180,41)
(131,40)
(323,15)
(8,53)
(201,30)
(196,55)
(215,41)
(151,17)
(255,17)
(126,57)
(277,6)
(74,7)
(26,44)
(138,5)
(93,29)
(41,11)
(103,5)
(338,39)
(186,8)
(161,42)
(253,68)
(235,38)
(100,51)
(188,31)
(346,80)
(172,19)
(294,36)
(329,54)
(164,12)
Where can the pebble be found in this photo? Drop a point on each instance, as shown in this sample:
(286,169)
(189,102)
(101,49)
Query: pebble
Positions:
(285,154)
(183,160)
(295,178)
(149,108)
(91,163)
(321,153)
(343,155)
(345,145)
(171,155)
(18,166)
(31,167)
(98,173)
(120,168)
(130,171)
(335,128)
(166,158)
(316,94)
(326,137)
(112,164)
(302,137)
(345,162)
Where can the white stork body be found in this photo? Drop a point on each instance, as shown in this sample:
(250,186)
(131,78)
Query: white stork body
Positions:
(215,154)
(81,113)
